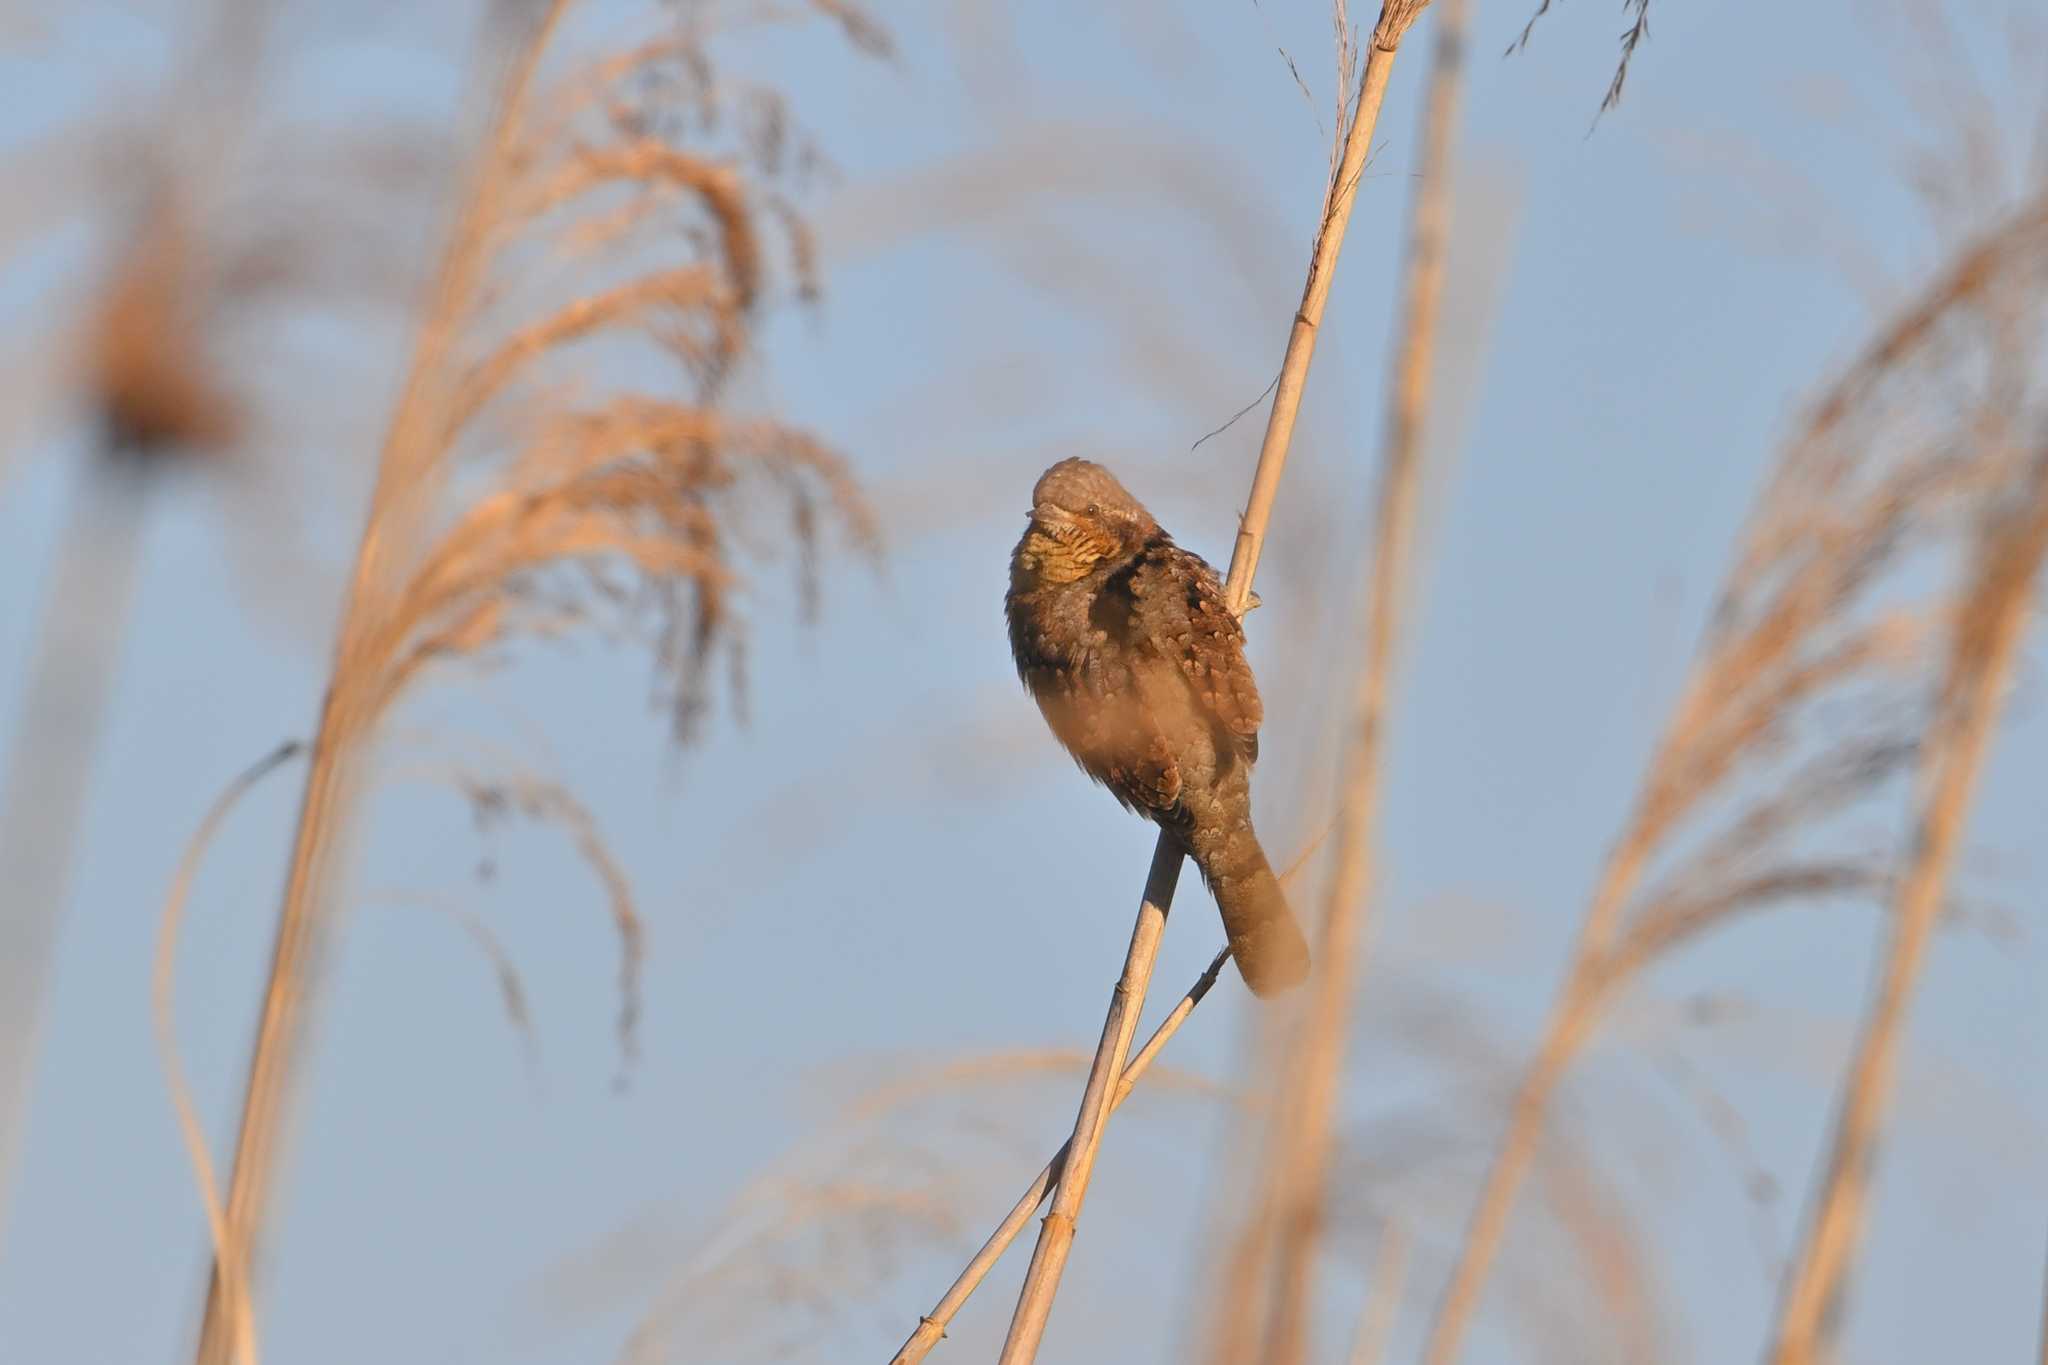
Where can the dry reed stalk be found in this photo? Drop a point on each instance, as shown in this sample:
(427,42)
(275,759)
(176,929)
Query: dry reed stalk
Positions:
(1048,1260)
(1862,483)
(1982,653)
(163,977)
(641,483)
(931,1328)
(1382,1303)
(1056,1233)
(207,244)
(1290,1218)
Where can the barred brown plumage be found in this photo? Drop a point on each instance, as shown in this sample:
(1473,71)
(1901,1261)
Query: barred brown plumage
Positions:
(1125,642)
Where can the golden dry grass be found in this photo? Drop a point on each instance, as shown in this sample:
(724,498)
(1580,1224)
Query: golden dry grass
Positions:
(1984,643)
(570,456)
(1740,799)
(516,500)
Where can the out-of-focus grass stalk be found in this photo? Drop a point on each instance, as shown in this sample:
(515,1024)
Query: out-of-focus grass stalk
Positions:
(1382,1303)
(2044,1322)
(57,734)
(1048,1261)
(1775,642)
(158,403)
(1989,627)
(352,703)
(650,482)
(1299,1160)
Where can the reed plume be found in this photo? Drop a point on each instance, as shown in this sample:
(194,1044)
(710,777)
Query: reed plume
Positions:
(1808,695)
(618,211)
(215,227)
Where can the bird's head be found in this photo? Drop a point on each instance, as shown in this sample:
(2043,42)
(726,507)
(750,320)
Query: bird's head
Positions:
(1080,515)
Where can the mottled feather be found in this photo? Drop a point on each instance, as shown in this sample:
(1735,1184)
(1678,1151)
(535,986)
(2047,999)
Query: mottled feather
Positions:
(1125,642)
(1187,622)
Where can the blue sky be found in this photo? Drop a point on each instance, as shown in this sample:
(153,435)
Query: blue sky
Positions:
(1058,229)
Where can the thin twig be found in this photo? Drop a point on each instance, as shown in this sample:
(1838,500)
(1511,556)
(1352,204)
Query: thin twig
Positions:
(1048,1261)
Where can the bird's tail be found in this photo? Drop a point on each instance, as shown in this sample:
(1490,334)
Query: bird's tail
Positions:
(1265,939)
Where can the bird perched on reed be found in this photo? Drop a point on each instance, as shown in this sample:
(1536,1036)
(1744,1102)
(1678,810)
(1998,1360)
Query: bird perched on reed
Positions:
(1125,642)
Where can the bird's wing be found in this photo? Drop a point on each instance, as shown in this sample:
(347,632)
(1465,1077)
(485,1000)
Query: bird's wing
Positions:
(1095,709)
(1181,605)
(1118,743)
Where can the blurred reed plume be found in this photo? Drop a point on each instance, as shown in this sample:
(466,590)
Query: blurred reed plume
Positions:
(1263,1310)
(810,1242)
(1984,646)
(631,212)
(1813,691)
(213,231)
(1980,338)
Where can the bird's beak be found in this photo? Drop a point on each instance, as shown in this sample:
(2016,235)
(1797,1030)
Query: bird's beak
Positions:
(1049,514)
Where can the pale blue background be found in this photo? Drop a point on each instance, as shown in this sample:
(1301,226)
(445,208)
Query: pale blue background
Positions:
(1062,228)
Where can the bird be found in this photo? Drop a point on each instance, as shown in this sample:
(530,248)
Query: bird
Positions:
(1137,663)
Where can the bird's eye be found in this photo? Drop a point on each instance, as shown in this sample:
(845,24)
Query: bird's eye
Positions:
(1093,510)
